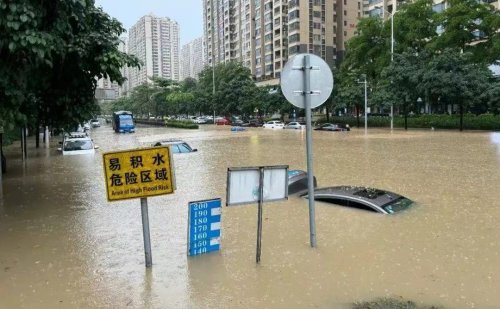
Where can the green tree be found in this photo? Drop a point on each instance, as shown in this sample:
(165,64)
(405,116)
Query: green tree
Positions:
(350,91)
(404,76)
(414,26)
(181,102)
(456,80)
(470,26)
(367,52)
(51,53)
(234,88)
(491,97)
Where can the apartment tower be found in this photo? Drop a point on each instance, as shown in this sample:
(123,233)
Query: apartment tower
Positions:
(263,34)
(384,8)
(155,41)
(192,59)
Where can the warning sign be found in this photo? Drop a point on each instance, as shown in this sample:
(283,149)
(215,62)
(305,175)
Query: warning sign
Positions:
(138,173)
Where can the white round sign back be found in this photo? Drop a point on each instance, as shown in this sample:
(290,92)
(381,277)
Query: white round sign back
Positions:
(292,80)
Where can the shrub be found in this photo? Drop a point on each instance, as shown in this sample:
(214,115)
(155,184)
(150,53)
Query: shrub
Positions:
(183,124)
(438,121)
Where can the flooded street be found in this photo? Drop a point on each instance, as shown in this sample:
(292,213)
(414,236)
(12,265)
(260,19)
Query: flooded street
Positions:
(63,245)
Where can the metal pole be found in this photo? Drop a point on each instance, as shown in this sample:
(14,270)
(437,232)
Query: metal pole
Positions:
(47,136)
(366,108)
(213,57)
(213,86)
(23,143)
(392,59)
(259,214)
(145,232)
(310,175)
(1,161)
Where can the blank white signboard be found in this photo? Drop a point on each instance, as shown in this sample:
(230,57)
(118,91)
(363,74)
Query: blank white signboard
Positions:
(243,185)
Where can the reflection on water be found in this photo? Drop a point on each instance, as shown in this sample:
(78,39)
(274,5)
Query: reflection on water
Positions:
(62,243)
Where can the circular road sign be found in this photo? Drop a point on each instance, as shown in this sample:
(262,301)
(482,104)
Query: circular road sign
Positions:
(292,80)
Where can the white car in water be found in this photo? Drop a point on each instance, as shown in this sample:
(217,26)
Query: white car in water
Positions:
(273,125)
(294,125)
(77,144)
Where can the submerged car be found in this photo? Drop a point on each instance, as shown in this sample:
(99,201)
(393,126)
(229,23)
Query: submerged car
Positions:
(237,129)
(297,181)
(294,125)
(273,125)
(95,123)
(372,199)
(253,123)
(77,145)
(222,121)
(177,145)
(333,127)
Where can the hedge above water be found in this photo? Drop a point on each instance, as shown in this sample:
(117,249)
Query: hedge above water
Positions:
(471,122)
(181,124)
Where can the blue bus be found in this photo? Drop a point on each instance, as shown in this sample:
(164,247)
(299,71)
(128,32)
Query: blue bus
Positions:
(123,122)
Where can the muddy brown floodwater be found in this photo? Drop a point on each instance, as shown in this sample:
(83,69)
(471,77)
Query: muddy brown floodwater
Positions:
(62,245)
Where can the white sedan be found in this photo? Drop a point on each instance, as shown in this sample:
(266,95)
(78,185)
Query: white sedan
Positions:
(274,125)
(78,145)
(294,125)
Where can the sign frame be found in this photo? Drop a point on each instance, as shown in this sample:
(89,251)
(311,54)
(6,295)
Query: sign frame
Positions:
(257,169)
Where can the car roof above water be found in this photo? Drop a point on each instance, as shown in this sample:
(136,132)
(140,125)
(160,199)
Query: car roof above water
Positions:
(170,141)
(371,195)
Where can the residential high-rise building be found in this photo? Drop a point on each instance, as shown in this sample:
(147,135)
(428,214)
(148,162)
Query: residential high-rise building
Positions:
(263,34)
(107,90)
(155,41)
(126,86)
(192,59)
(384,8)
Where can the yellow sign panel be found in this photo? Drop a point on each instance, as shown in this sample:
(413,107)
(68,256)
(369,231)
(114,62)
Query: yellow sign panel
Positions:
(138,173)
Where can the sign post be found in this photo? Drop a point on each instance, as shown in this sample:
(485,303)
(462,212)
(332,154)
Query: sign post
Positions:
(307,82)
(145,232)
(139,173)
(247,185)
(259,214)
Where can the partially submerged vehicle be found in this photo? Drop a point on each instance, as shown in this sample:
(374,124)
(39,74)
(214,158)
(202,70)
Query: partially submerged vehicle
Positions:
(76,143)
(123,122)
(297,181)
(372,199)
(177,145)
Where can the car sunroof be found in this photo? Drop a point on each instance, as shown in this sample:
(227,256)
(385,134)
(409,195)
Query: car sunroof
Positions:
(369,193)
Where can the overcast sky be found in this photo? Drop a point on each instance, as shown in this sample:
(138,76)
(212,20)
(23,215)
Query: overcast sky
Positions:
(188,13)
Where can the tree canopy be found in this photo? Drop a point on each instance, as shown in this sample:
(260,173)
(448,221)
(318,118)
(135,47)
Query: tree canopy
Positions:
(439,57)
(51,55)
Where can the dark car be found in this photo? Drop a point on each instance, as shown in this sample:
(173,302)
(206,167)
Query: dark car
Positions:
(372,199)
(333,127)
(253,123)
(237,122)
(297,181)
(177,145)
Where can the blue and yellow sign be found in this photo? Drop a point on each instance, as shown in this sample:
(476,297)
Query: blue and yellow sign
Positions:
(138,173)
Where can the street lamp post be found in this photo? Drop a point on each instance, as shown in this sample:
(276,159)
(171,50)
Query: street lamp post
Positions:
(366,102)
(392,60)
